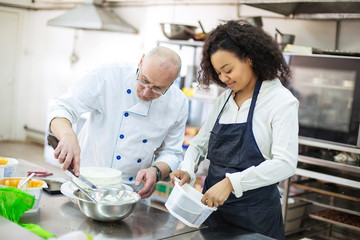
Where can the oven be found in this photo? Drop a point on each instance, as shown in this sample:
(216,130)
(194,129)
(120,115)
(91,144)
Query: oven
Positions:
(327,87)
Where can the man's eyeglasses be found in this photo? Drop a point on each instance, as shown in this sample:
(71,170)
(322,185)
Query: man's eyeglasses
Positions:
(146,85)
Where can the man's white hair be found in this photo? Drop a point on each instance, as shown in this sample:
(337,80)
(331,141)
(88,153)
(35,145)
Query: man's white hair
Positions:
(168,55)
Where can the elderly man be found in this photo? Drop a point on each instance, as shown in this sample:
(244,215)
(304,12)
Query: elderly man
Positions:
(134,113)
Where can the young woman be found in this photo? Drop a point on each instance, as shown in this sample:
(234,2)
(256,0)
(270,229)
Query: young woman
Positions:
(251,136)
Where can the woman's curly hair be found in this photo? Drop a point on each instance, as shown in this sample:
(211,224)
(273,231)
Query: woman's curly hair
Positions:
(245,41)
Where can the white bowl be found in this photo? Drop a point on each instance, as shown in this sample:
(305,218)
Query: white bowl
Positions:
(185,204)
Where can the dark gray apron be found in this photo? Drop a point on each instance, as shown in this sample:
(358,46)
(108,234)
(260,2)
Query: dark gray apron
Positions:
(233,148)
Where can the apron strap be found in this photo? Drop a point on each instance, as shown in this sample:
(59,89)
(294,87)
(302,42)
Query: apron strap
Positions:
(253,102)
(252,106)
(218,118)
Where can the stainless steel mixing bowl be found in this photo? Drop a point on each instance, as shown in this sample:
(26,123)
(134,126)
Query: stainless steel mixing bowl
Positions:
(117,208)
(178,31)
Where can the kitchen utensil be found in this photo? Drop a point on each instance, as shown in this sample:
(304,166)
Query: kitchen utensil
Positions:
(197,36)
(255,21)
(201,26)
(284,39)
(113,204)
(83,179)
(277,30)
(84,192)
(92,186)
(53,141)
(72,176)
(177,31)
(23,182)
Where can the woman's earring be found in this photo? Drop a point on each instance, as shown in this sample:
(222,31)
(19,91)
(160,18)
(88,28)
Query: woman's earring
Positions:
(251,64)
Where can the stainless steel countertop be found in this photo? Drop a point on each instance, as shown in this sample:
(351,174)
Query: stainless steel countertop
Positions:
(58,215)
(8,230)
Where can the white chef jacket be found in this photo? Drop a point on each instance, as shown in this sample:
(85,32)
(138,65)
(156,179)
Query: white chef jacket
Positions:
(123,131)
(275,128)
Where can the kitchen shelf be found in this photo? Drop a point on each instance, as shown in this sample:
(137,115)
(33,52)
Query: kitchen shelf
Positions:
(329,164)
(327,178)
(328,145)
(183,43)
(342,176)
(327,86)
(338,218)
(331,202)
(329,189)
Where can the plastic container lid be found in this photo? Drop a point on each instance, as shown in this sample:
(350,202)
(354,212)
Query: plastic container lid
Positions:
(185,204)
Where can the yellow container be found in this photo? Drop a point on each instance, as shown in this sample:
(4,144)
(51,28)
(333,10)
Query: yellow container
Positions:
(33,187)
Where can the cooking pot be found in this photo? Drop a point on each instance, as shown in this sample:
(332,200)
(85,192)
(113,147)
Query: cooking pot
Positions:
(284,39)
(178,31)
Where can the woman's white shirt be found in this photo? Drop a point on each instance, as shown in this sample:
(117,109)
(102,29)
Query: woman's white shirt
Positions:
(275,128)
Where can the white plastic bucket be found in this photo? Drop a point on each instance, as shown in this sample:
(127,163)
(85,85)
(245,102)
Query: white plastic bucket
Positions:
(9,169)
(185,204)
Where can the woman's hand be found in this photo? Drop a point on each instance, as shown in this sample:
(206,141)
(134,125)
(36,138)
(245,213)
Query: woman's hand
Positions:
(182,175)
(218,194)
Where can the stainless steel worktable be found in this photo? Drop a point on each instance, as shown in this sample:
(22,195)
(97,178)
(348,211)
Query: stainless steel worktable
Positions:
(58,215)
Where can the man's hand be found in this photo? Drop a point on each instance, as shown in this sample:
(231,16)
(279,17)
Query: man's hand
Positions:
(147,175)
(218,194)
(182,175)
(68,150)
(68,153)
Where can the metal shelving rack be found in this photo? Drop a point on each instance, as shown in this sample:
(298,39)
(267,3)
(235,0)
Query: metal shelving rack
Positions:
(330,185)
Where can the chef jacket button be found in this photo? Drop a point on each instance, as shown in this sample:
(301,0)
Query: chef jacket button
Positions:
(139,160)
(128,91)
(118,157)
(121,136)
(145,141)
(131,178)
(126,114)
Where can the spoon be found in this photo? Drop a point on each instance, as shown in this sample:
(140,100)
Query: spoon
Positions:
(23,182)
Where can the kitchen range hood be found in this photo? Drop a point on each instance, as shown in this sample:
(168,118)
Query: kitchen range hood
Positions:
(310,9)
(92,16)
